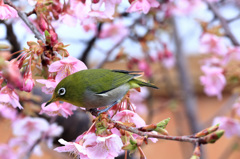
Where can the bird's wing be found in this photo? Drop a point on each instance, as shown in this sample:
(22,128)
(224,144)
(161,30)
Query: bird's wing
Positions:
(109,79)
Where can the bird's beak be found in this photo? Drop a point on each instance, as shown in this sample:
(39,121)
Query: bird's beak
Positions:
(53,99)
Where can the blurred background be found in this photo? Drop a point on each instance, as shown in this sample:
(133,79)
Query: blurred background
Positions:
(167,44)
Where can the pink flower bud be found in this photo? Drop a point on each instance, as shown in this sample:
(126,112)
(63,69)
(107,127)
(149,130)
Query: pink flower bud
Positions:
(28,83)
(54,37)
(95,1)
(12,73)
(43,25)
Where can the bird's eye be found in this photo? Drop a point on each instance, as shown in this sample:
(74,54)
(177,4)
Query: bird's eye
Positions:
(61,91)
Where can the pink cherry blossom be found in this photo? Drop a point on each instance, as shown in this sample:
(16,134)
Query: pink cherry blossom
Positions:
(114,31)
(69,20)
(236,107)
(88,12)
(98,147)
(22,146)
(183,7)
(12,73)
(142,5)
(28,83)
(213,80)
(66,67)
(108,11)
(89,146)
(8,112)
(138,98)
(54,130)
(81,9)
(231,126)
(30,128)
(50,85)
(7,152)
(233,53)
(57,108)
(72,148)
(213,0)
(144,66)
(8,97)
(213,44)
(129,117)
(166,57)
(6,11)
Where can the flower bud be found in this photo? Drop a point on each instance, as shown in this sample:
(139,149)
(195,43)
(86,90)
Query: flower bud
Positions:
(207,131)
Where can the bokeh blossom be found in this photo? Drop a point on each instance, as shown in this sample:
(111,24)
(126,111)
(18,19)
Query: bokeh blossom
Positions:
(114,31)
(8,97)
(213,80)
(211,43)
(230,125)
(142,5)
(28,130)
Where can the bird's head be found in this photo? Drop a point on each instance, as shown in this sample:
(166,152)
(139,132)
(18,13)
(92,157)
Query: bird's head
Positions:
(58,95)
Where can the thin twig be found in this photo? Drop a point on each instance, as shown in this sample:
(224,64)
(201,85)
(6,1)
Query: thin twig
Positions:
(29,152)
(151,135)
(223,22)
(24,17)
(233,19)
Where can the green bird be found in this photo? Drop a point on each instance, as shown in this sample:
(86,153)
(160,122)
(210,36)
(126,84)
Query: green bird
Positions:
(94,88)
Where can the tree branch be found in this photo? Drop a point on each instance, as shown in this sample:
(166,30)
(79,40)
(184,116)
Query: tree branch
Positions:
(185,83)
(191,139)
(24,17)
(87,50)
(224,23)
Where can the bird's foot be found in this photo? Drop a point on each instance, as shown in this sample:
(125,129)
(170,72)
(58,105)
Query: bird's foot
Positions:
(93,111)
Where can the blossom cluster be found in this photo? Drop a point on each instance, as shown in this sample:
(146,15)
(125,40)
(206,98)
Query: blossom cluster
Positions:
(28,132)
(99,137)
(214,79)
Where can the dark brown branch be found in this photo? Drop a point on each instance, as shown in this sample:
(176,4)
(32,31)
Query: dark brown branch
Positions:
(31,12)
(12,38)
(224,23)
(90,44)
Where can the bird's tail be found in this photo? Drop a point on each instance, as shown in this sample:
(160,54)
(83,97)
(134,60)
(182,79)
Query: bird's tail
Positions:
(135,83)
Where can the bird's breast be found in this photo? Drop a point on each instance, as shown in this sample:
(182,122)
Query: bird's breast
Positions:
(95,100)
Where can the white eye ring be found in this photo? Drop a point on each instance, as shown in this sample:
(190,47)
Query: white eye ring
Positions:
(61,91)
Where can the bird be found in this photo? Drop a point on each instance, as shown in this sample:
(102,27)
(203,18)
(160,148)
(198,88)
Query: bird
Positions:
(94,88)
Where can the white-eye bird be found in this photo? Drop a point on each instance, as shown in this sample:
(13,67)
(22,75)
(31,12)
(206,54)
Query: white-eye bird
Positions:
(94,88)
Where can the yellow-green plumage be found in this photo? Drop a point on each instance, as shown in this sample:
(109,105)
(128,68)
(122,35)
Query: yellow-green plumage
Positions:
(95,88)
